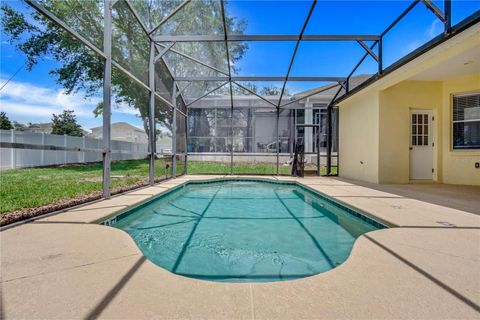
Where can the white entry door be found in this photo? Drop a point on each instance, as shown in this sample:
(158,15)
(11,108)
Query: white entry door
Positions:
(421,145)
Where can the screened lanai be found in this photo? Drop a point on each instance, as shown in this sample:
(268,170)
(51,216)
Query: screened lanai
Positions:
(218,89)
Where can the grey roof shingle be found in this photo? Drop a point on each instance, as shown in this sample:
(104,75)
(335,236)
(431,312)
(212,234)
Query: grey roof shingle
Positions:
(353,82)
(242,100)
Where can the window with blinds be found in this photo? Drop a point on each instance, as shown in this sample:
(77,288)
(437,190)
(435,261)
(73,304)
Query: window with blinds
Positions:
(466,121)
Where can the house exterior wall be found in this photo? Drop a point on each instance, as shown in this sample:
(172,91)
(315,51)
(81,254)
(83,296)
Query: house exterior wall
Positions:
(458,165)
(377,124)
(394,128)
(358,138)
(374,122)
(122,131)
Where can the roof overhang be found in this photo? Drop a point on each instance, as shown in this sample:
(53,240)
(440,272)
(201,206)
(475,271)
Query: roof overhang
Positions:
(442,54)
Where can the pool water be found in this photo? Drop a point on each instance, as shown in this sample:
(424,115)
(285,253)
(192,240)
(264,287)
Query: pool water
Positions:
(244,231)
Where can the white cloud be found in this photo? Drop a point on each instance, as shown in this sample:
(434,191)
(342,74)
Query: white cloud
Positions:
(32,111)
(124,108)
(26,102)
(433,30)
(18,97)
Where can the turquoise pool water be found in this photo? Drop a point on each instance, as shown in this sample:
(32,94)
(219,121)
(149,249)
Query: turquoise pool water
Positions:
(244,231)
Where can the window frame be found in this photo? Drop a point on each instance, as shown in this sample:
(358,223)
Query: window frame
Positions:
(452,122)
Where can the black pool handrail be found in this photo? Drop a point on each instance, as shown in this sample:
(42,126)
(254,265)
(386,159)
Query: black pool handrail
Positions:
(298,160)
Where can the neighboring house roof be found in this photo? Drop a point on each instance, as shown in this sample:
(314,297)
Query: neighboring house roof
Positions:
(41,125)
(123,125)
(223,101)
(333,88)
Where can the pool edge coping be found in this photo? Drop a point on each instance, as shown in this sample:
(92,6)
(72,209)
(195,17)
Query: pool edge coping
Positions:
(347,207)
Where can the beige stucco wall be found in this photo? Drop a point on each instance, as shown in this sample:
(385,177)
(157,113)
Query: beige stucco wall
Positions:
(358,138)
(458,165)
(394,134)
(374,122)
(374,128)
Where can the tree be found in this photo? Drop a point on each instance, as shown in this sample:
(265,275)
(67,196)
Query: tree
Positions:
(272,91)
(5,123)
(81,70)
(66,123)
(19,126)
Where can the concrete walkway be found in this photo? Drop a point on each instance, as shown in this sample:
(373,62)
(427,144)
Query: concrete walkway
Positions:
(63,267)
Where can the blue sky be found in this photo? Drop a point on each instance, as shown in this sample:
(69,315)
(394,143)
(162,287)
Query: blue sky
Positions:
(33,96)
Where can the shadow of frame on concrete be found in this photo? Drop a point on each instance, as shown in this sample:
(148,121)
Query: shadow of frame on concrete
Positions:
(442,285)
(98,309)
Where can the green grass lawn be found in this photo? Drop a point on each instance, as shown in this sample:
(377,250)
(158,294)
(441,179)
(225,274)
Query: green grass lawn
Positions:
(34,187)
(197,167)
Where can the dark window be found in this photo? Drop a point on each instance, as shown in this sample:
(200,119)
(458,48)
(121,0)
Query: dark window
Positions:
(466,121)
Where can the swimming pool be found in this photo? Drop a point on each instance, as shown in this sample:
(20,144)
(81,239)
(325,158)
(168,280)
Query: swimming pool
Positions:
(244,230)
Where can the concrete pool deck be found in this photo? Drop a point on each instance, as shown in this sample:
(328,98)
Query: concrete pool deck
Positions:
(63,266)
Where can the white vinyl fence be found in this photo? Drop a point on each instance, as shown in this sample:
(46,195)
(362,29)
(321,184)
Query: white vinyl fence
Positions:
(28,152)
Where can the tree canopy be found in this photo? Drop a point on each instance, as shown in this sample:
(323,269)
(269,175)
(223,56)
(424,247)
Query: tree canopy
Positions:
(66,123)
(5,123)
(81,70)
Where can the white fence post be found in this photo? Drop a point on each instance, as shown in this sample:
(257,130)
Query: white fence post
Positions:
(83,147)
(42,152)
(65,159)
(13,159)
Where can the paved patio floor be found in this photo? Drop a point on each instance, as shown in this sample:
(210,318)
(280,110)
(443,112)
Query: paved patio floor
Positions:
(63,266)
(465,198)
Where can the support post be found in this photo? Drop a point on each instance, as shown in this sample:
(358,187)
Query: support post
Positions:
(186,142)
(174,131)
(278,139)
(151,115)
(318,148)
(293,129)
(448,16)
(225,39)
(329,140)
(186,164)
(380,55)
(231,130)
(107,83)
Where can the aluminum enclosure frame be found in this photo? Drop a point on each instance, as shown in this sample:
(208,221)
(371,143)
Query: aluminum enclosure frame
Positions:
(158,51)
